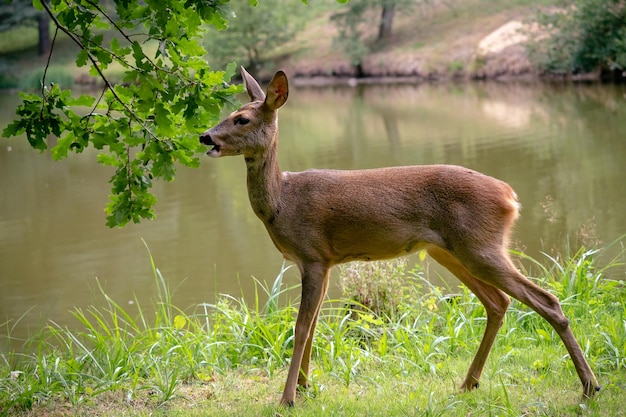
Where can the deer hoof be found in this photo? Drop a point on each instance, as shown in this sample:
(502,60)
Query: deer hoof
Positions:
(590,392)
(468,386)
(286,403)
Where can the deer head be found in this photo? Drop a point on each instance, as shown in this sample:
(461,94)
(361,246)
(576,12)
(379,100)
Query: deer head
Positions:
(247,130)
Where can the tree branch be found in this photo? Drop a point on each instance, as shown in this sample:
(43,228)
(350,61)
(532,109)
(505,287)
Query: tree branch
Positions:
(125,36)
(94,61)
(45,71)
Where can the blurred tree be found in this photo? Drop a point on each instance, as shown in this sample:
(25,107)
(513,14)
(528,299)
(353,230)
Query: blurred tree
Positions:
(43,28)
(254,35)
(386,19)
(355,21)
(15,13)
(350,23)
(584,36)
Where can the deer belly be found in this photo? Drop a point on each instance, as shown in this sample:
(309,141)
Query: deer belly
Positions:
(368,245)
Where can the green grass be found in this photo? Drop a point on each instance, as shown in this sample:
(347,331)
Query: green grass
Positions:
(230,357)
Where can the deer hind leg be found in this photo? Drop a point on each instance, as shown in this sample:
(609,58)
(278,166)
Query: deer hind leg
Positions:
(314,285)
(495,301)
(495,267)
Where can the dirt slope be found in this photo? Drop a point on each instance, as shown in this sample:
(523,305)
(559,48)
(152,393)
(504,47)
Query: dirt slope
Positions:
(471,39)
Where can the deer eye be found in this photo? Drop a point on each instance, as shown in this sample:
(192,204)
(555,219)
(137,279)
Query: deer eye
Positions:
(240,120)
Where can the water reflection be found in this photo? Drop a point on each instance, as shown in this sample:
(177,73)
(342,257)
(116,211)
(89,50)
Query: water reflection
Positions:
(560,147)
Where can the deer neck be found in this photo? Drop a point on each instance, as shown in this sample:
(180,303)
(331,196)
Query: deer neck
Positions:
(264,182)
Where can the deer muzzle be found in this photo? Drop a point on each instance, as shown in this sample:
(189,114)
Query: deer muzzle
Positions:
(205,139)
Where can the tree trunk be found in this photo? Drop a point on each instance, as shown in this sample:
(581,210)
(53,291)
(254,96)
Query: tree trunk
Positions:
(386,21)
(358,69)
(44,33)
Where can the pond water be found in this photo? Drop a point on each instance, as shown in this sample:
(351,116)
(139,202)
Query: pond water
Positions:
(562,147)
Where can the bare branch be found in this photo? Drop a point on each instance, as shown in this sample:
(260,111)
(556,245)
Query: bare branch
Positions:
(45,71)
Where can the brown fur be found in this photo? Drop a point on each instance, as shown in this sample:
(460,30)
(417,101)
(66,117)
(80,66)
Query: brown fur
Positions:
(320,218)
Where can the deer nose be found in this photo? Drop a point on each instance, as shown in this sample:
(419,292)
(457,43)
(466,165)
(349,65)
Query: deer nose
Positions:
(205,139)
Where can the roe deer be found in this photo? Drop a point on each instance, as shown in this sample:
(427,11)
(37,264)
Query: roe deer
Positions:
(320,218)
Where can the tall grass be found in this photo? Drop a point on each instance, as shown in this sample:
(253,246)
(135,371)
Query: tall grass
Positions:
(152,355)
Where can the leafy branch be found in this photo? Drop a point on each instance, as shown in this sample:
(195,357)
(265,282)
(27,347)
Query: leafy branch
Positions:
(148,122)
(93,60)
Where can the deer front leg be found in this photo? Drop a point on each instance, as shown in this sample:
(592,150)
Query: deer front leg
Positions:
(304,367)
(314,285)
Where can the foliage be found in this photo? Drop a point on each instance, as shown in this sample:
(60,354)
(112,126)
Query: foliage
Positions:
(584,36)
(201,360)
(254,33)
(151,121)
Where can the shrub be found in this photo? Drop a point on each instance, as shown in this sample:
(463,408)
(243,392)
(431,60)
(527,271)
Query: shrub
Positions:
(585,36)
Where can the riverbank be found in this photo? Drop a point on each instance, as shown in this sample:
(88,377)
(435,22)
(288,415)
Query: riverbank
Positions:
(402,357)
(438,41)
(473,40)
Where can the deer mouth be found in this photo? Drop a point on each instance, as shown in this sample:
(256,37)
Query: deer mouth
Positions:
(215,150)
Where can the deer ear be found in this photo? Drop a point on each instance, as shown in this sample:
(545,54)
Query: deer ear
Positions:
(277,91)
(254,90)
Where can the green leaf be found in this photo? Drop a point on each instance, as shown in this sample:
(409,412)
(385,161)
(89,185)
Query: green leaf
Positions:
(108,159)
(60,150)
(163,120)
(165,169)
(13,129)
(191,47)
(82,100)
(231,69)
(97,40)
(81,58)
